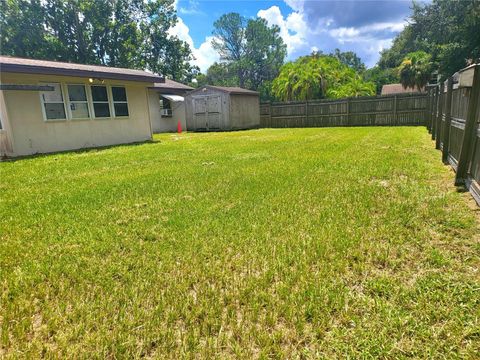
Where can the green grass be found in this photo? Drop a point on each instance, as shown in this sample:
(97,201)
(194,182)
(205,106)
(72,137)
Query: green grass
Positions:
(305,243)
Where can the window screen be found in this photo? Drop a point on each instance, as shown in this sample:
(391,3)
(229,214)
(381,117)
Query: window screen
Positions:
(52,102)
(120,104)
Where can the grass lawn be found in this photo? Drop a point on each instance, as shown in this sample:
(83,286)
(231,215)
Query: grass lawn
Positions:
(269,243)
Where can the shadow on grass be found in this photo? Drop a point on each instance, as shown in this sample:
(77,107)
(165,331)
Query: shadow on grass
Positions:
(78,151)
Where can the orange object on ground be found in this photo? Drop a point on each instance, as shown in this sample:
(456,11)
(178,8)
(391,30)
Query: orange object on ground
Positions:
(179,127)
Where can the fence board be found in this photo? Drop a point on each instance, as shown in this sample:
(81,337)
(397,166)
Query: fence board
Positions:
(388,110)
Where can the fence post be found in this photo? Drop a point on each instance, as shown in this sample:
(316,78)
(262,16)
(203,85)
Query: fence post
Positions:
(348,111)
(434,113)
(432,106)
(448,121)
(395,120)
(270,114)
(438,136)
(469,132)
(306,114)
(428,115)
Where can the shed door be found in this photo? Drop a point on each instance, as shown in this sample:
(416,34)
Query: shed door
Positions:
(200,112)
(214,112)
(208,112)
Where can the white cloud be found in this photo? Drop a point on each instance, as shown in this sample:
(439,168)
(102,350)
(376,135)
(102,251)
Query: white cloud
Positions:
(181,31)
(190,9)
(313,26)
(204,55)
(293,29)
(367,32)
(296,5)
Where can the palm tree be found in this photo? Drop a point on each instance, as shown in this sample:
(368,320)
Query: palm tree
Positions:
(303,79)
(354,88)
(415,70)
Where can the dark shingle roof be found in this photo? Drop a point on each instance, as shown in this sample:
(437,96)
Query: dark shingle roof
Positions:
(32,66)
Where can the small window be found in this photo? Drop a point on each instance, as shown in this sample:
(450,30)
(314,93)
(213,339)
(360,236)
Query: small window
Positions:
(78,102)
(120,105)
(165,107)
(101,107)
(52,102)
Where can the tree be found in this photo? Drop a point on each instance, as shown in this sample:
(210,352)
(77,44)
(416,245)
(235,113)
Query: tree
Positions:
(350,59)
(447,30)
(381,77)
(352,88)
(250,49)
(229,41)
(221,74)
(316,77)
(264,52)
(415,70)
(402,45)
(22,31)
(123,33)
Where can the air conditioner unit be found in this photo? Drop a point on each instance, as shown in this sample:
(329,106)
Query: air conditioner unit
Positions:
(166,112)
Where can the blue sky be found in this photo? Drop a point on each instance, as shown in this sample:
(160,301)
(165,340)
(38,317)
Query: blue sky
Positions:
(363,26)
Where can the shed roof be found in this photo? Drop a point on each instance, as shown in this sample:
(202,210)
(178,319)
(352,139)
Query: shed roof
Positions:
(171,85)
(230,90)
(32,66)
(397,89)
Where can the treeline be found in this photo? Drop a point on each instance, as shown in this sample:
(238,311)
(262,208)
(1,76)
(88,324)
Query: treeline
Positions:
(441,37)
(122,33)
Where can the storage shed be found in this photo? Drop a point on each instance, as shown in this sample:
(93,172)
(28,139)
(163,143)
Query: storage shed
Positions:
(217,108)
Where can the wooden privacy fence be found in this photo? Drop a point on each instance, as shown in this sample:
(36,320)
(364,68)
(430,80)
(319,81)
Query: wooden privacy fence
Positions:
(453,120)
(390,110)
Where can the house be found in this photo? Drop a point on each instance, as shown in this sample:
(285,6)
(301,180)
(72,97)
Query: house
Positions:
(167,106)
(391,89)
(48,106)
(214,108)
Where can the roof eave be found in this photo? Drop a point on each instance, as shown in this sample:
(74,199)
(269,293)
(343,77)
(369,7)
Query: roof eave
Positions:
(45,70)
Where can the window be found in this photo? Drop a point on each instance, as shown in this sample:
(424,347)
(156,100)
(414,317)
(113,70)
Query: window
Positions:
(120,105)
(52,102)
(78,102)
(101,107)
(165,107)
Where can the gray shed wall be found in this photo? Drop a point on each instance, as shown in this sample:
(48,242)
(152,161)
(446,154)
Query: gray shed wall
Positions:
(237,111)
(244,112)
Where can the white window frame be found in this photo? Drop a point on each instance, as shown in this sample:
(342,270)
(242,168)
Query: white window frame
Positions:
(109,102)
(42,102)
(119,102)
(88,101)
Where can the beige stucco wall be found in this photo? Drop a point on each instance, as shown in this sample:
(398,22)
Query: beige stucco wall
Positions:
(31,134)
(165,124)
